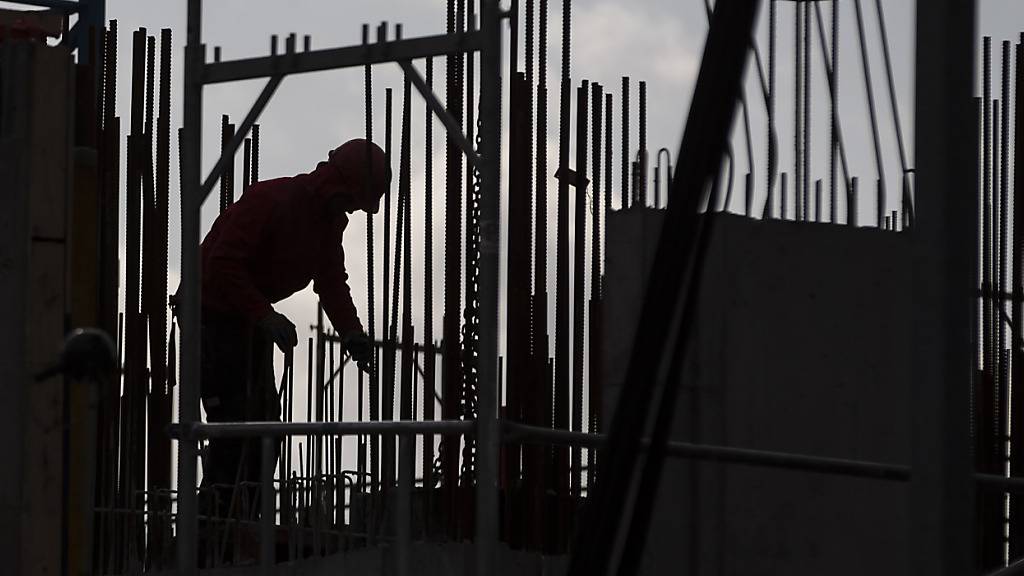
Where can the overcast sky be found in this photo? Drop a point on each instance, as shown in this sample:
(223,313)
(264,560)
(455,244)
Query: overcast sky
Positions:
(659,41)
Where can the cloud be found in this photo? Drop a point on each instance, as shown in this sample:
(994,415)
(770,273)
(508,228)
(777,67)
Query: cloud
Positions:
(637,40)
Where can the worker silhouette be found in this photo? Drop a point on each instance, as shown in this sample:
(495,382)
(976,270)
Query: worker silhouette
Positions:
(280,235)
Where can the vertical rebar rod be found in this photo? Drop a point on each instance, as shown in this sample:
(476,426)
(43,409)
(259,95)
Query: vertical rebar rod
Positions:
(833,112)
(986,392)
(852,203)
(428,289)
(817,200)
(579,278)
(371,296)
(832,78)
(643,144)
(451,371)
(894,103)
(806,124)
(562,288)
(594,345)
(246,163)
(624,203)
(540,398)
(391,278)
(1002,425)
(872,113)
(225,139)
(782,197)
(1016,412)
(797,106)
(255,172)
(771,136)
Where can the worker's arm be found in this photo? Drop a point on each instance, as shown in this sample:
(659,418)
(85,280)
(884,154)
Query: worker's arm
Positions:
(331,283)
(228,280)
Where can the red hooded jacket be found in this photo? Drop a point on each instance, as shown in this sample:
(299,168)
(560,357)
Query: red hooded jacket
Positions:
(272,242)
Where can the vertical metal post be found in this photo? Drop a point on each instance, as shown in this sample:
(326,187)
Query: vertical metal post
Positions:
(490,234)
(267,505)
(403,507)
(942,487)
(188,402)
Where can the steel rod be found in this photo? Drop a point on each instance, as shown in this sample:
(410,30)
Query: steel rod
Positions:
(872,114)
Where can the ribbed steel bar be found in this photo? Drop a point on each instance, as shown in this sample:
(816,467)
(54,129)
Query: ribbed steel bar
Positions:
(798,102)
(246,163)
(594,319)
(872,114)
(405,194)
(562,288)
(517,339)
(624,203)
(1016,409)
(771,161)
(579,277)
(451,368)
(225,139)
(254,173)
(391,278)
(159,455)
(429,381)
(1003,424)
(833,79)
(471,312)
(642,154)
(806,124)
(537,460)
(133,417)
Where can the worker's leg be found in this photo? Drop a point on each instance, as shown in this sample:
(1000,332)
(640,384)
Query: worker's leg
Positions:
(261,405)
(225,342)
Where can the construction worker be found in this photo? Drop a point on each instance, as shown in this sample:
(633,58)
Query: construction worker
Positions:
(279,236)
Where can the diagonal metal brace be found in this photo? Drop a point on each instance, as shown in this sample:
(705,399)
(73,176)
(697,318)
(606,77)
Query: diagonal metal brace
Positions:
(243,131)
(435,106)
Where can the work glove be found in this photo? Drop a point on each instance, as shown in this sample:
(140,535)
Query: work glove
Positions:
(280,330)
(360,349)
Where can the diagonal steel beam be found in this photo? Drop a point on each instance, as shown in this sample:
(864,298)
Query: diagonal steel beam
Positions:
(345,57)
(243,131)
(437,108)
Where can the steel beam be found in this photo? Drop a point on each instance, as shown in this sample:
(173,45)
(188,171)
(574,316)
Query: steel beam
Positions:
(345,57)
(243,130)
(942,488)
(437,108)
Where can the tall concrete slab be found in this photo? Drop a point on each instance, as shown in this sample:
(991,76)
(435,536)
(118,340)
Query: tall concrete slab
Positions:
(802,345)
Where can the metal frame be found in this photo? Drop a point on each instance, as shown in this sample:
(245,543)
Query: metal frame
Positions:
(943,483)
(199,73)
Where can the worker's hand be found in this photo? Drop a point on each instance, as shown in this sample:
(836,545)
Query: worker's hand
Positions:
(280,330)
(360,349)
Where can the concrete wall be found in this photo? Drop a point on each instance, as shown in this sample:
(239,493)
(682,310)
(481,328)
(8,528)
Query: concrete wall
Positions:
(35,148)
(802,345)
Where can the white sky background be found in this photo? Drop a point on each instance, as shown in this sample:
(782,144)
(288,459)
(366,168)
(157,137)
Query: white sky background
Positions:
(659,41)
